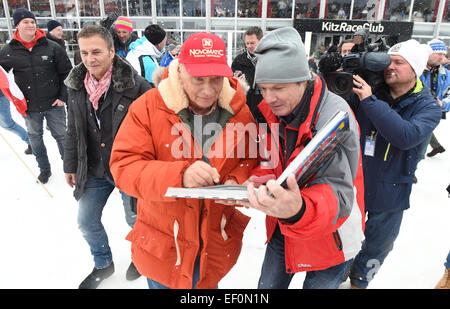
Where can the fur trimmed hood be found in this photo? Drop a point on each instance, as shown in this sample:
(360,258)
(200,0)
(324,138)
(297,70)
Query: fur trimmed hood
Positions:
(175,98)
(121,79)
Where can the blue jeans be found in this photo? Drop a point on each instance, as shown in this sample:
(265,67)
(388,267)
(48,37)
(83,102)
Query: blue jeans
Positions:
(381,231)
(447,262)
(56,121)
(274,276)
(91,204)
(423,148)
(8,123)
(152,284)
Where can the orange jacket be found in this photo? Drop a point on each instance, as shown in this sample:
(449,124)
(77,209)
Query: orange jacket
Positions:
(170,233)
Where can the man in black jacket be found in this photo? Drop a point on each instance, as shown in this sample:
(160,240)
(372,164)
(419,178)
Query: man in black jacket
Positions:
(55,32)
(244,64)
(100,91)
(40,67)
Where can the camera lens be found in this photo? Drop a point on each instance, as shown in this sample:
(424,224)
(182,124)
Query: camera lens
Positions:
(342,84)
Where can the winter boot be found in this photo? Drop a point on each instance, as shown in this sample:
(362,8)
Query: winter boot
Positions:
(444,283)
(97,275)
(132,273)
(435,151)
(28,151)
(44,176)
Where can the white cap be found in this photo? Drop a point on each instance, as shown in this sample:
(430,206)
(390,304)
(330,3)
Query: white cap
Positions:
(415,53)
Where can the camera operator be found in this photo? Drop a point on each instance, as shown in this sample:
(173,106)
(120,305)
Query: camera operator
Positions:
(345,47)
(361,40)
(338,69)
(394,118)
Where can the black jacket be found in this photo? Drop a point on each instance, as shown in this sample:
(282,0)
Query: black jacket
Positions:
(61,42)
(126,86)
(39,73)
(254,95)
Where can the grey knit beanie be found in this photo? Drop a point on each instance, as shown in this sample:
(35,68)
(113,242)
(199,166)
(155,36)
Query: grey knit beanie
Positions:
(281,58)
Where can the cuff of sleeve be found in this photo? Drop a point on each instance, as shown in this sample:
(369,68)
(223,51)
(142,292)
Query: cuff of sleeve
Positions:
(296,217)
(369,99)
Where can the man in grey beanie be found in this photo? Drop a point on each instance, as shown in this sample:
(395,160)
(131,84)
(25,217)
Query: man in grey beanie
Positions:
(317,228)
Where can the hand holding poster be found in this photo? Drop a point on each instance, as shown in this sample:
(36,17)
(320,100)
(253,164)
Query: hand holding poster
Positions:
(317,153)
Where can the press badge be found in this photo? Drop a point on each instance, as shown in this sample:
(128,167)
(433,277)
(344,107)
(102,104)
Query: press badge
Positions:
(369,149)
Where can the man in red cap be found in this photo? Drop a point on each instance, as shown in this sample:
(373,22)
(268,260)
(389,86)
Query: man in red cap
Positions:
(177,135)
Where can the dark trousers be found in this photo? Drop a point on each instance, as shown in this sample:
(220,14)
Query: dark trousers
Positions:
(274,276)
(381,231)
(434,143)
(56,121)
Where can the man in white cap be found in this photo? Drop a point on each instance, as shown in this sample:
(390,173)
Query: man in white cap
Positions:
(317,228)
(394,119)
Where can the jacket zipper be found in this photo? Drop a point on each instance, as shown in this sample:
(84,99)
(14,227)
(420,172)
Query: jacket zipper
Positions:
(337,240)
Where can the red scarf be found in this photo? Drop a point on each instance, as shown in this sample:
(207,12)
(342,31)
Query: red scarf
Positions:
(96,88)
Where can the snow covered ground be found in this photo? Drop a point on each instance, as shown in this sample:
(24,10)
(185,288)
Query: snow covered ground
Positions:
(41,246)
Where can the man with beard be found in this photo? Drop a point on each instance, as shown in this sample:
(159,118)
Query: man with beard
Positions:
(395,119)
(124,35)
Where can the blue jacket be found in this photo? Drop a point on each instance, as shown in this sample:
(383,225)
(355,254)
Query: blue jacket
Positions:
(166,59)
(398,130)
(443,86)
(443,81)
(143,57)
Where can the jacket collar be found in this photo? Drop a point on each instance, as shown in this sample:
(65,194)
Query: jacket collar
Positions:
(143,46)
(39,37)
(307,126)
(403,100)
(121,79)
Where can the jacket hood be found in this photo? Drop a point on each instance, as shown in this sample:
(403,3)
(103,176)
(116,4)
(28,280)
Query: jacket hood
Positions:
(175,98)
(39,35)
(142,46)
(121,79)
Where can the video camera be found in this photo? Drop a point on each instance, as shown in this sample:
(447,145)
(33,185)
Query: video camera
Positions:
(109,20)
(369,64)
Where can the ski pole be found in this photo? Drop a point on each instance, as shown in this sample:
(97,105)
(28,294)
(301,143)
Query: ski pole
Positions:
(17,155)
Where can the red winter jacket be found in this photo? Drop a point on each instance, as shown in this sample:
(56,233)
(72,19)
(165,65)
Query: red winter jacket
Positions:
(148,157)
(331,228)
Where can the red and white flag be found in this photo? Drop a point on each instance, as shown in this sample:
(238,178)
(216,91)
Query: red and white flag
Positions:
(12,91)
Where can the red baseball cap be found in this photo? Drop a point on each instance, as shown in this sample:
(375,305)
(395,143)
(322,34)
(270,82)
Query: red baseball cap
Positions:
(203,54)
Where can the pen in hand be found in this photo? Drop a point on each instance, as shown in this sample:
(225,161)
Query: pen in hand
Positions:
(206,160)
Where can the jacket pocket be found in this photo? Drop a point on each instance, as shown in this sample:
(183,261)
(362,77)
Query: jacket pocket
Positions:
(155,242)
(232,230)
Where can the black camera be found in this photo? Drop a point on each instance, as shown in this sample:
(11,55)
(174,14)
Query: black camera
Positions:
(338,71)
(109,20)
